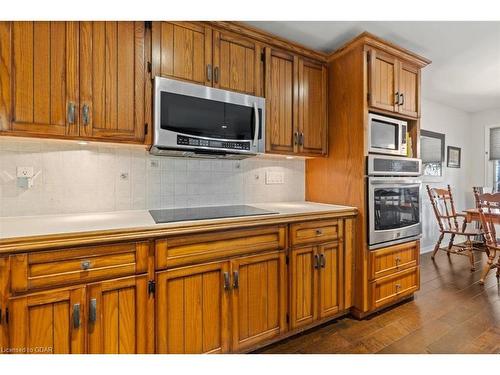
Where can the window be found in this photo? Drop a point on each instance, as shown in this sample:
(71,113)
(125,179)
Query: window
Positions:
(494,155)
(432,153)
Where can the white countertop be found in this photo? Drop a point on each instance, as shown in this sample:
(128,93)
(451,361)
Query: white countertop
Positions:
(27,226)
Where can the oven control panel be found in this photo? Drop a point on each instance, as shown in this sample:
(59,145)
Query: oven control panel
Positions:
(381,165)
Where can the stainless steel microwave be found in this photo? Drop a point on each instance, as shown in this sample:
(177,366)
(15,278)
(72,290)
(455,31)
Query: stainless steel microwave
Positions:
(387,135)
(200,121)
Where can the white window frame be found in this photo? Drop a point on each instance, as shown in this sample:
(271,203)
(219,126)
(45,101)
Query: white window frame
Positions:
(489,165)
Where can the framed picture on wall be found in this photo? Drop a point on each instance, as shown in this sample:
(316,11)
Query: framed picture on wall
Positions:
(453,157)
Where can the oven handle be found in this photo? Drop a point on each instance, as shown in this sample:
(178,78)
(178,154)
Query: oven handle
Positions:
(257,125)
(394,180)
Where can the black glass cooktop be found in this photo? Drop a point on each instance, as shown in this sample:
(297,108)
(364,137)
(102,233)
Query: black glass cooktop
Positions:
(200,213)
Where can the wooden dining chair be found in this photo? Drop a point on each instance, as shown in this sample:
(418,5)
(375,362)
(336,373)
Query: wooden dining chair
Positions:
(489,209)
(447,218)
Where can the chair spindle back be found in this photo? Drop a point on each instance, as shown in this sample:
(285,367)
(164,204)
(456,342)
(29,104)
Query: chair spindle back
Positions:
(488,204)
(444,208)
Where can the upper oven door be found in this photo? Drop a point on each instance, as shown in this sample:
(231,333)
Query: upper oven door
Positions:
(387,135)
(394,209)
(188,109)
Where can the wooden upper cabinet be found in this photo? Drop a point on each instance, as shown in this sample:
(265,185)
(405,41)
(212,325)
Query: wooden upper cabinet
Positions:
(118,316)
(383,81)
(49,322)
(258,299)
(112,80)
(237,63)
(281,101)
(39,78)
(394,84)
(312,113)
(192,309)
(409,89)
(182,50)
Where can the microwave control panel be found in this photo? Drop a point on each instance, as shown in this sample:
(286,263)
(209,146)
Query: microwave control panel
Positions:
(211,143)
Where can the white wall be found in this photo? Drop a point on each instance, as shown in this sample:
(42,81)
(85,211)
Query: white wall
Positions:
(77,178)
(456,125)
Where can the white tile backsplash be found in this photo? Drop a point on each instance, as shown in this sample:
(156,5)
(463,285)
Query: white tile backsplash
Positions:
(89,178)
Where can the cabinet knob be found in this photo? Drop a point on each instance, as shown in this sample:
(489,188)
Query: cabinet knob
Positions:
(319,232)
(398,260)
(86,265)
(398,286)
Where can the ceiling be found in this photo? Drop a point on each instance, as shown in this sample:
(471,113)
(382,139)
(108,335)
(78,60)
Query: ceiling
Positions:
(465,69)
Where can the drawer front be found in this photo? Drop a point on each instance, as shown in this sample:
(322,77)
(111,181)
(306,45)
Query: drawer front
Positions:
(393,259)
(390,288)
(77,265)
(199,248)
(315,231)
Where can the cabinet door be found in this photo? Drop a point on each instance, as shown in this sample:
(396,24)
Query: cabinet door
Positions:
(409,89)
(182,50)
(237,63)
(282,101)
(304,280)
(49,322)
(4,286)
(330,279)
(112,78)
(312,108)
(39,78)
(192,309)
(383,81)
(119,316)
(258,299)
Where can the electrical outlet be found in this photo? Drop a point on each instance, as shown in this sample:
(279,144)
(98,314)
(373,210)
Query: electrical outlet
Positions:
(27,172)
(275,177)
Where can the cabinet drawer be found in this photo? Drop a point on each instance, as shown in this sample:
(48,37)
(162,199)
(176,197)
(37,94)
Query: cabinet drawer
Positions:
(393,259)
(387,289)
(77,265)
(198,248)
(315,231)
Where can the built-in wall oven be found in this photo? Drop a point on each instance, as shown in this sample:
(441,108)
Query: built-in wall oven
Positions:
(394,200)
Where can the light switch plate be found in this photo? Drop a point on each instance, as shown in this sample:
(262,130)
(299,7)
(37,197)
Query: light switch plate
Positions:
(275,177)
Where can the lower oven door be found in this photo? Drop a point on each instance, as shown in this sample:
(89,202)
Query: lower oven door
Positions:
(394,210)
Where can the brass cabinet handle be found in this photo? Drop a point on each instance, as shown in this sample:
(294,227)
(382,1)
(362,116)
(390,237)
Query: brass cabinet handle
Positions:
(209,72)
(227,286)
(396,98)
(93,310)
(401,99)
(236,280)
(71,113)
(316,261)
(85,265)
(86,114)
(76,315)
(216,74)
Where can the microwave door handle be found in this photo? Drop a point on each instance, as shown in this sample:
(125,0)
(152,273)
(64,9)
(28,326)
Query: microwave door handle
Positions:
(257,125)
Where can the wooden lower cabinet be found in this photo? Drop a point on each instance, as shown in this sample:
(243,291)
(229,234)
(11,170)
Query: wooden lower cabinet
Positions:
(258,299)
(390,288)
(316,282)
(119,316)
(48,322)
(192,307)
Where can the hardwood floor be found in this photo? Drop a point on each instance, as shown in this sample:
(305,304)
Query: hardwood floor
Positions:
(451,313)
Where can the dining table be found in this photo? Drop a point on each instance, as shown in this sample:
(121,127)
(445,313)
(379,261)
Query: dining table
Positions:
(472,214)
